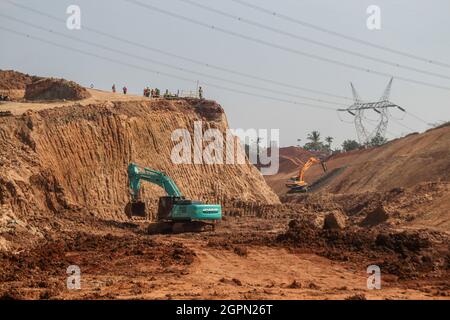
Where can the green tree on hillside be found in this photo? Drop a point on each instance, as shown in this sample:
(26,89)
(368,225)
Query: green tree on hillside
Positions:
(314,143)
(349,145)
(378,140)
(329,141)
(314,136)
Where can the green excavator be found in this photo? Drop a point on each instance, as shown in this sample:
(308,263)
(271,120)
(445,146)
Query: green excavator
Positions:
(176,214)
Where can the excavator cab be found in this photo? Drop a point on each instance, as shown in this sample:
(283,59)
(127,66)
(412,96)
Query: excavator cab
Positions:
(165,206)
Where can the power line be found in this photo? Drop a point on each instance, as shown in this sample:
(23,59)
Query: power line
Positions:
(318,43)
(184,58)
(124,40)
(287,49)
(121,63)
(418,118)
(404,126)
(140,68)
(127,54)
(341,35)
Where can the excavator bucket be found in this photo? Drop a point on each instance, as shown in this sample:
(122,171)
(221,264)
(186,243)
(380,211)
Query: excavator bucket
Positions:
(135,209)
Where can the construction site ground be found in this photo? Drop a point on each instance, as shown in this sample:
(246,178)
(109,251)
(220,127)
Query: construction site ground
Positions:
(63,189)
(243,259)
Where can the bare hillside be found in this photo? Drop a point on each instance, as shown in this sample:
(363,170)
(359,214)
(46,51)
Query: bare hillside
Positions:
(404,162)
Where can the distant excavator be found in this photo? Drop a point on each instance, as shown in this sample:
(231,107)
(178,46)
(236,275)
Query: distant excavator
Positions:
(298,184)
(175,213)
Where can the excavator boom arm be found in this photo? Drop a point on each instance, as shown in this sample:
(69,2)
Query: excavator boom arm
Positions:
(306,166)
(136,174)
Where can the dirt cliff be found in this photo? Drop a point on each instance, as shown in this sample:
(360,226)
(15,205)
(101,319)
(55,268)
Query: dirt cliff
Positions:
(74,159)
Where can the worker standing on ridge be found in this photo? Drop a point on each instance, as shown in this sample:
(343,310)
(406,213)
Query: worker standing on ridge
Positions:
(157,93)
(114,88)
(125,90)
(200,93)
(153,93)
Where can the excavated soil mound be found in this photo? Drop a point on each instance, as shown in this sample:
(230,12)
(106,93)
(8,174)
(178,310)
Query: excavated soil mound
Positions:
(55,89)
(425,205)
(334,220)
(406,254)
(375,217)
(10,79)
(13,83)
(208,109)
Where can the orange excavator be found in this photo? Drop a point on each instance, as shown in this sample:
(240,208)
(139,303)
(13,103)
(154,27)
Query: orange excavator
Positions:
(298,184)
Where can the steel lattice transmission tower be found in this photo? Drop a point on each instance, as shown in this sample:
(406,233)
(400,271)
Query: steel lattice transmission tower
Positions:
(359,108)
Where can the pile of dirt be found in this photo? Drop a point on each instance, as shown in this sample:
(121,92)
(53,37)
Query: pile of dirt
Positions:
(406,254)
(50,89)
(208,109)
(375,217)
(334,220)
(425,205)
(10,79)
(13,83)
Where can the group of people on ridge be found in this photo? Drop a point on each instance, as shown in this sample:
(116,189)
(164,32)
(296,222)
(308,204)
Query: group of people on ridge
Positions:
(124,89)
(156,93)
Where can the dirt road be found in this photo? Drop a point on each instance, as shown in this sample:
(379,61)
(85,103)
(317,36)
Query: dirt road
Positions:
(97,97)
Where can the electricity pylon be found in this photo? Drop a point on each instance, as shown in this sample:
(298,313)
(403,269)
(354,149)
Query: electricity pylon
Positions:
(359,108)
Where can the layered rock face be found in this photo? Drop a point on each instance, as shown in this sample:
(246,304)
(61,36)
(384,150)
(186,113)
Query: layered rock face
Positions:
(75,158)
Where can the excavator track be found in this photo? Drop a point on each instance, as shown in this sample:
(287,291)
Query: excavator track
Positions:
(175,227)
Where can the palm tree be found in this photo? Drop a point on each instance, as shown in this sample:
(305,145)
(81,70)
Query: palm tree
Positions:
(329,140)
(314,136)
(315,144)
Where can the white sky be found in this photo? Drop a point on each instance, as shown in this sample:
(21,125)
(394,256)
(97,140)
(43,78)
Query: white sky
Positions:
(418,27)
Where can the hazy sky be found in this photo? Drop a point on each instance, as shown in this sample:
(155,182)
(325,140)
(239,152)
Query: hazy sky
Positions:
(417,27)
